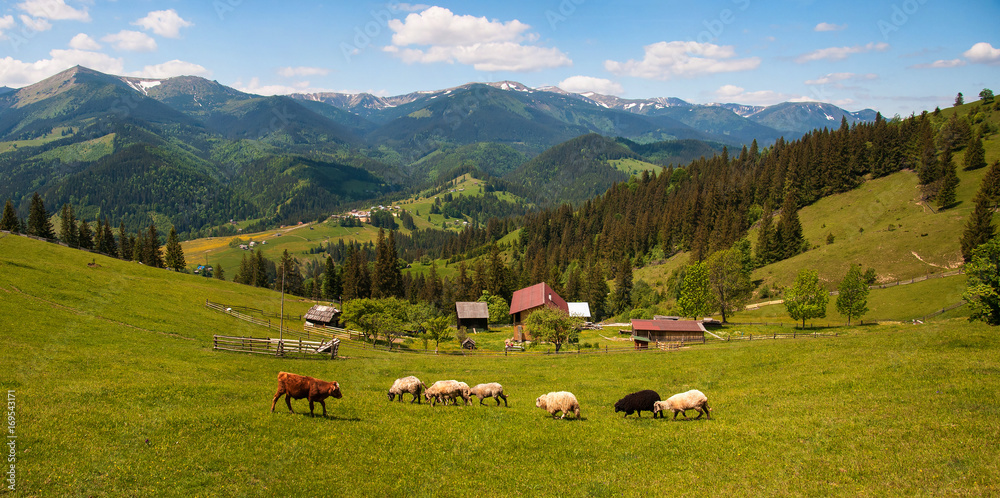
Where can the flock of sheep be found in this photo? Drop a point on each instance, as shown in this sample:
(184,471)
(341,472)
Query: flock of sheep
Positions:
(449,391)
(293,386)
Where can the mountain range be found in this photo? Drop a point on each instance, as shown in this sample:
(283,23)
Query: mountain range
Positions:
(196,153)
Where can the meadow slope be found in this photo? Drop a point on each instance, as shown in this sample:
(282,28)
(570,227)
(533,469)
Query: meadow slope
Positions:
(119,392)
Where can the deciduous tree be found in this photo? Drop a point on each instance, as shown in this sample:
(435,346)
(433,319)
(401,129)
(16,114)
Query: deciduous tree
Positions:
(552,325)
(805,299)
(852,297)
(695,294)
(729,281)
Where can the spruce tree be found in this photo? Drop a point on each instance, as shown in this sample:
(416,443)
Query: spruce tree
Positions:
(110,247)
(621,298)
(597,290)
(765,235)
(9,222)
(39,223)
(85,236)
(380,277)
(152,256)
(175,254)
(124,243)
(975,155)
(68,231)
(331,281)
(790,228)
(259,269)
(852,297)
(990,186)
(290,276)
(979,228)
(218,272)
(949,184)
(138,243)
(959,99)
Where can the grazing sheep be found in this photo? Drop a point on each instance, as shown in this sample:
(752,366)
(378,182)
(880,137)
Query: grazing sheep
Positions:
(410,385)
(491,390)
(637,402)
(561,401)
(447,390)
(681,403)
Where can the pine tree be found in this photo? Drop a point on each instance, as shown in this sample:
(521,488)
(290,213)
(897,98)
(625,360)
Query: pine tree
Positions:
(290,276)
(85,237)
(765,235)
(979,228)
(433,289)
(364,277)
(990,187)
(331,281)
(138,244)
(39,223)
(218,272)
(975,155)
(151,254)
(852,297)
(597,290)
(696,295)
(351,274)
(175,255)
(9,222)
(124,243)
(574,284)
(259,270)
(790,227)
(949,183)
(959,99)
(68,232)
(108,238)
(621,298)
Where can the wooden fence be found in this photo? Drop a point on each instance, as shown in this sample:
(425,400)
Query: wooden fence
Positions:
(277,347)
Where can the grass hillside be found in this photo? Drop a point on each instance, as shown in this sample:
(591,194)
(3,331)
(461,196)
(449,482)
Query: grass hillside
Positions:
(118,392)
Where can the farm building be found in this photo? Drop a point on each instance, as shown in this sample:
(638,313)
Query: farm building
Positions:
(323,316)
(530,299)
(581,310)
(473,315)
(647,331)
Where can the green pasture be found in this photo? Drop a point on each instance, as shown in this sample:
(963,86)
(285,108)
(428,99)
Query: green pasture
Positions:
(119,393)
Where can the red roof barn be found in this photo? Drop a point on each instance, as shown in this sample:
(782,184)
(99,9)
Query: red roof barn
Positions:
(530,299)
(646,331)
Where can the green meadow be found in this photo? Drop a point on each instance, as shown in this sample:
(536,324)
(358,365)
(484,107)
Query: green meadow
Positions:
(119,393)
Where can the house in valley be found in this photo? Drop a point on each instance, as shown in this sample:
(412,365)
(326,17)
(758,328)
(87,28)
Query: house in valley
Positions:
(645,332)
(530,299)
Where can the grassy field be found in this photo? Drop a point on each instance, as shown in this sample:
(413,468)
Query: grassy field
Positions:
(119,392)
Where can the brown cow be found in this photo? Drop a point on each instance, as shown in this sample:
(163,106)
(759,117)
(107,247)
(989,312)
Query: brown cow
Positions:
(300,386)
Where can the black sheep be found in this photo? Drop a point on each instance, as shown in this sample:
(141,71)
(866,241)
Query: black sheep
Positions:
(637,402)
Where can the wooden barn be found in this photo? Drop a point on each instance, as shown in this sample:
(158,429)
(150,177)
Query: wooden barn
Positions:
(323,316)
(645,332)
(473,315)
(530,299)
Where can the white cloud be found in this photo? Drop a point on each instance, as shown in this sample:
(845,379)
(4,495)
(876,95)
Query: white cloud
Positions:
(164,23)
(665,60)
(38,24)
(170,69)
(837,78)
(733,93)
(825,26)
(840,53)
(486,45)
(17,73)
(440,27)
(256,88)
(6,22)
(983,53)
(292,72)
(56,10)
(583,84)
(132,41)
(939,64)
(83,41)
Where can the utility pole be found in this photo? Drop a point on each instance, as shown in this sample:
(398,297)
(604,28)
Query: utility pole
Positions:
(281,330)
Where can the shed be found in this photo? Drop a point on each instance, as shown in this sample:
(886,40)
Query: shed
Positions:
(469,343)
(530,299)
(473,315)
(323,316)
(668,330)
(581,310)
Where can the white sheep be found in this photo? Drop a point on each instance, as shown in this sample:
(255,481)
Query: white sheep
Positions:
(447,390)
(491,390)
(561,401)
(681,403)
(410,385)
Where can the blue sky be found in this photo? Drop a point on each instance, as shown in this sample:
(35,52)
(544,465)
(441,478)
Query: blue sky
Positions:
(896,56)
